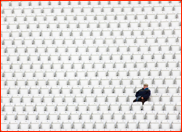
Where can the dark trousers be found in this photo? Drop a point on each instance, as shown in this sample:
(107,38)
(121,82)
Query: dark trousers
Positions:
(140,100)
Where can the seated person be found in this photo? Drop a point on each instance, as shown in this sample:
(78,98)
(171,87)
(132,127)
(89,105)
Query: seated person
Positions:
(143,94)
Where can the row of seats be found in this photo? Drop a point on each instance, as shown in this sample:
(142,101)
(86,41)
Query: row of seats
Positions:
(84,3)
(90,8)
(104,107)
(66,57)
(95,32)
(117,116)
(104,81)
(92,17)
(94,73)
(99,124)
(92,24)
(90,48)
(93,40)
(15,90)
(90,129)
(68,65)
(99,98)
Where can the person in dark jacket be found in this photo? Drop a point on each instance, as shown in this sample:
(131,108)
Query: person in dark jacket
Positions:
(143,94)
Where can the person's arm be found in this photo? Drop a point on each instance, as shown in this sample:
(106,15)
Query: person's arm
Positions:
(137,93)
(146,96)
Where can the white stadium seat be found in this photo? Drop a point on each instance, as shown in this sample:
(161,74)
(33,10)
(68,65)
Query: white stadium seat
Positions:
(154,124)
(176,125)
(13,125)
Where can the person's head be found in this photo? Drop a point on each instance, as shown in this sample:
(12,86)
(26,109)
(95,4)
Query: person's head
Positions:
(145,86)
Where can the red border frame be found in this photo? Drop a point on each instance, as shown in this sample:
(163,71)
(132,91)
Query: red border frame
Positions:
(76,0)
